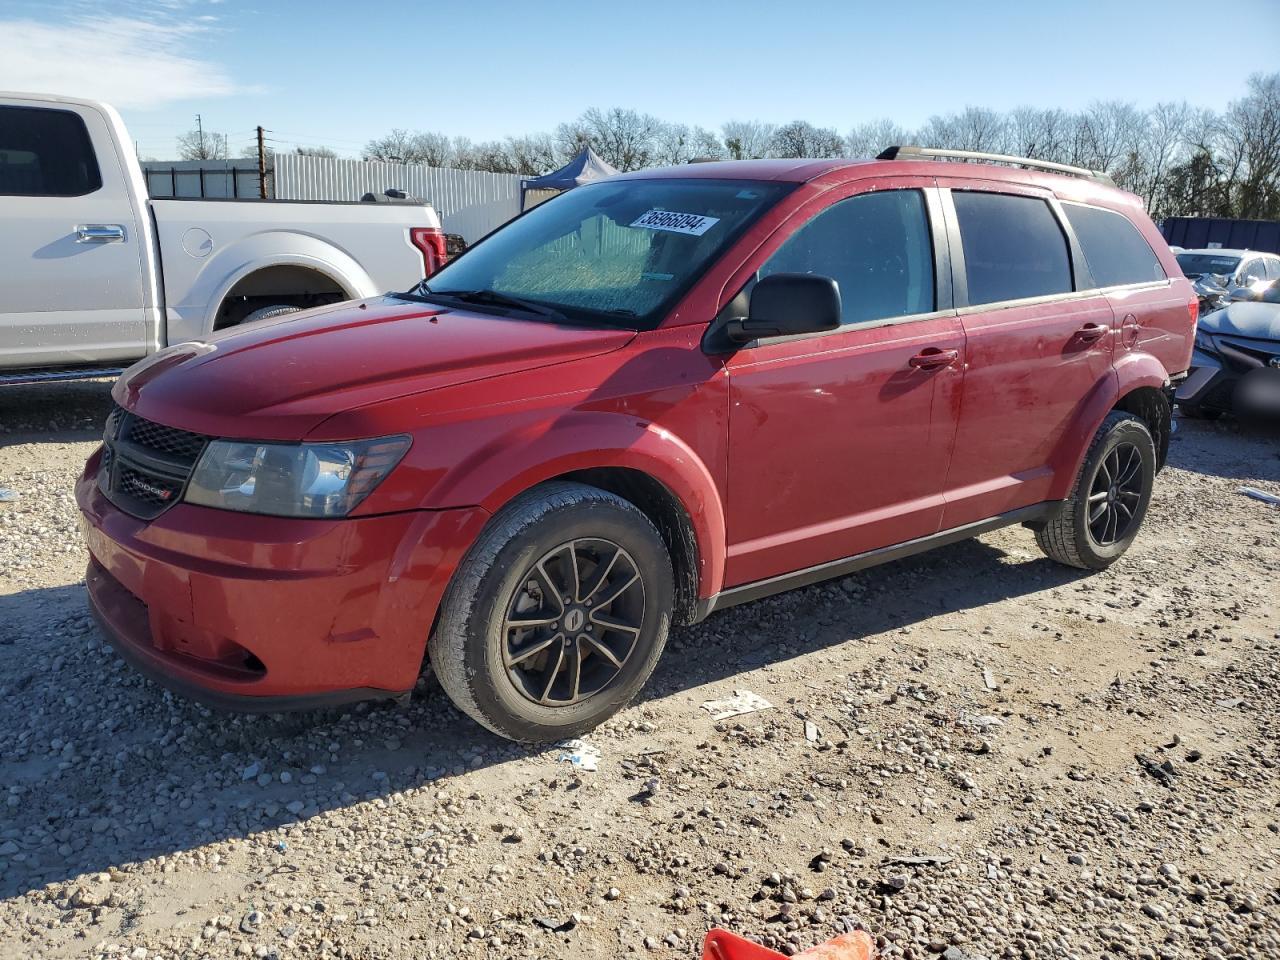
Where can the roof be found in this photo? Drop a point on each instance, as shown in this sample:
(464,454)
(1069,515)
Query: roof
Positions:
(799,170)
(806,170)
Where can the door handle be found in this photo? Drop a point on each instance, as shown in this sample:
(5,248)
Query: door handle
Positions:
(1093,331)
(100,233)
(933,358)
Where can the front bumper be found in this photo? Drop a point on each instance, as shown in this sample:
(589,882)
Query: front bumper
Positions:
(268,613)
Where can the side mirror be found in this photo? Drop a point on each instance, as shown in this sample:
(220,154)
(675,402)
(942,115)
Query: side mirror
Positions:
(787,304)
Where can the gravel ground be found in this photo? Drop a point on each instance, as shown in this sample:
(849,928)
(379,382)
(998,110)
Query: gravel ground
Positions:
(974,753)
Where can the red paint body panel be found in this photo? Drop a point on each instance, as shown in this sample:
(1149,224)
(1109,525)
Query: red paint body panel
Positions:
(324,606)
(783,456)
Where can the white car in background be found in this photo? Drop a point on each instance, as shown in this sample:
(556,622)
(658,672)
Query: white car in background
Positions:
(1239,268)
(97,275)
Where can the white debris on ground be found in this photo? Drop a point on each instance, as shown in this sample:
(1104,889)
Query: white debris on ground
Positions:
(1116,794)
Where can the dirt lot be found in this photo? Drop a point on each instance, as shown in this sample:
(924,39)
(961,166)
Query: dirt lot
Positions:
(974,753)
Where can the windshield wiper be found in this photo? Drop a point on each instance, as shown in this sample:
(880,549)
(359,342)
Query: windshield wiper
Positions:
(492,297)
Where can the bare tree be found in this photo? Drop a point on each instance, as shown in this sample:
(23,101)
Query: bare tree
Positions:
(974,128)
(1162,142)
(1180,160)
(194,145)
(800,138)
(747,139)
(1249,137)
(869,139)
(401,146)
(678,143)
(623,138)
(532,156)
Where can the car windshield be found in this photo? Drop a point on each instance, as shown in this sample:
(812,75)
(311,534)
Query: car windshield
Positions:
(616,253)
(1198,264)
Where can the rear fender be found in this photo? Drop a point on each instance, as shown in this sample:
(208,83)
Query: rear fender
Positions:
(194,311)
(1129,373)
(586,440)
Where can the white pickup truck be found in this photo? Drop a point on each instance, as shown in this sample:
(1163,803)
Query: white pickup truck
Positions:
(95,275)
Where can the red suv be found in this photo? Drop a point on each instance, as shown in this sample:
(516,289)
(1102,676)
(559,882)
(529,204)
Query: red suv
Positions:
(645,400)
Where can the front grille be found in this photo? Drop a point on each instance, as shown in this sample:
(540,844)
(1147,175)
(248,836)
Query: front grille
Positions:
(155,436)
(145,465)
(1246,355)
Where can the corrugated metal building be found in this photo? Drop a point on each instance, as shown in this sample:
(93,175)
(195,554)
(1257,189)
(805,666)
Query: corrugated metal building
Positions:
(470,202)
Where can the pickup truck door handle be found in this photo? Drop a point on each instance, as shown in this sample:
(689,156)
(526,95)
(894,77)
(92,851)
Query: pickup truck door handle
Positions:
(932,358)
(100,233)
(1093,331)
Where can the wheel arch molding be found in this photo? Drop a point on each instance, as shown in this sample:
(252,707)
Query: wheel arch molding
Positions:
(640,461)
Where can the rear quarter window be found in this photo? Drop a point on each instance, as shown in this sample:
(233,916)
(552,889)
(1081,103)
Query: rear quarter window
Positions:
(45,153)
(1113,248)
(1013,247)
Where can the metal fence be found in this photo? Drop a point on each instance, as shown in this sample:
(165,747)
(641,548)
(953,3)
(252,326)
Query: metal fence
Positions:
(470,202)
(1197,232)
(203,178)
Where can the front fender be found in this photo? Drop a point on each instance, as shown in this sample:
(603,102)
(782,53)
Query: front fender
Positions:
(512,462)
(197,288)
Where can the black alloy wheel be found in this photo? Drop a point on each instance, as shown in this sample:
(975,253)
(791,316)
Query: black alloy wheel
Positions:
(572,623)
(1115,494)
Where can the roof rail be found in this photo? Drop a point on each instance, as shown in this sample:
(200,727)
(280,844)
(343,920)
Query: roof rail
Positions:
(934,153)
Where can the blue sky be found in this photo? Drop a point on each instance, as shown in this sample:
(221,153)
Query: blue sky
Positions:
(337,73)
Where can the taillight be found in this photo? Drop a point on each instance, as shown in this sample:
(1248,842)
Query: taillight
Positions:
(429,240)
(1193,308)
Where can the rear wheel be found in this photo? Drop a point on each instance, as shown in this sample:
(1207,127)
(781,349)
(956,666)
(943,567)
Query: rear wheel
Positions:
(1102,516)
(557,615)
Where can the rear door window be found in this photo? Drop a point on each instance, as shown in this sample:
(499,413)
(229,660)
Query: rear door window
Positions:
(1116,252)
(45,153)
(1013,247)
(878,249)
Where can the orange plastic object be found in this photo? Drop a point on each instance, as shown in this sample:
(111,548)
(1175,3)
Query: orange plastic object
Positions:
(723,945)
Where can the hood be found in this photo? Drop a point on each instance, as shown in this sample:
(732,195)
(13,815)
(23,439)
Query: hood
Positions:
(1257,321)
(278,379)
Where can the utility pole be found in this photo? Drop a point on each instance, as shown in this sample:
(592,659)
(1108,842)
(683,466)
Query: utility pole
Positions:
(262,165)
(200,127)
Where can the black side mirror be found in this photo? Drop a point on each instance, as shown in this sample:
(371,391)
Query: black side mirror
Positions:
(787,304)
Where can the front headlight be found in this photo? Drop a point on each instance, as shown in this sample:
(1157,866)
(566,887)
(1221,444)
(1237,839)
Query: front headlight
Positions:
(292,479)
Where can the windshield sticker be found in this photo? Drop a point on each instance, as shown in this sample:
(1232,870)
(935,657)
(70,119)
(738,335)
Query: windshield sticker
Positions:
(669,220)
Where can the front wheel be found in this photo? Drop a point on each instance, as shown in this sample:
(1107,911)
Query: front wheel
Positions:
(557,615)
(1101,518)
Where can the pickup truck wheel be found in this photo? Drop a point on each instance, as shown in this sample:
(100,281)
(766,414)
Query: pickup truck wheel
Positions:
(1101,518)
(557,615)
(265,313)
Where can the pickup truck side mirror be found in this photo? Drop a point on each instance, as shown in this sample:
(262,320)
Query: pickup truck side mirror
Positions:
(788,304)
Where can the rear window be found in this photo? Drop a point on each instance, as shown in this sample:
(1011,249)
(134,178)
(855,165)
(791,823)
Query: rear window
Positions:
(1114,249)
(1013,247)
(45,153)
(1198,264)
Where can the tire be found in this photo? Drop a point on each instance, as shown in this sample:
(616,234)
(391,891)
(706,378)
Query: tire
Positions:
(266,313)
(1122,442)
(484,663)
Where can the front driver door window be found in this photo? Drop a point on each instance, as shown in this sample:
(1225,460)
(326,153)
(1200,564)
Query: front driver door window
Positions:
(839,442)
